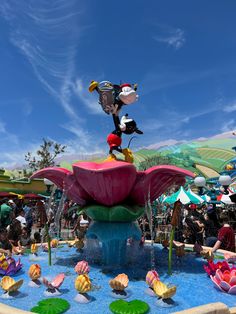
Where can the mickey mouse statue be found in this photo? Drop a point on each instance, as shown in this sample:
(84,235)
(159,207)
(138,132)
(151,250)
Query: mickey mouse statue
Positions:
(112,98)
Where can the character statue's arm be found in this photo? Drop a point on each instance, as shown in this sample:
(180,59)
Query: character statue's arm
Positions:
(116,121)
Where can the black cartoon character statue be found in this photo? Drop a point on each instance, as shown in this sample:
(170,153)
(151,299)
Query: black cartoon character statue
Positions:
(112,98)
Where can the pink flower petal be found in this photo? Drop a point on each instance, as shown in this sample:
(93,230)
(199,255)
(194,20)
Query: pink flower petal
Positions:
(74,191)
(232,290)
(54,174)
(207,270)
(153,182)
(107,183)
(219,275)
(47,283)
(233,273)
(58,280)
(225,285)
(216,283)
(232,281)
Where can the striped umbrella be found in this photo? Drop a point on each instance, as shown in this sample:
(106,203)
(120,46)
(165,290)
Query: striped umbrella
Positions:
(225,198)
(200,199)
(206,198)
(183,196)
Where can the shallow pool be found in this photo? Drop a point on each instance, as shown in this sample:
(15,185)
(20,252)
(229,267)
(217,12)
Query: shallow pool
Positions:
(193,285)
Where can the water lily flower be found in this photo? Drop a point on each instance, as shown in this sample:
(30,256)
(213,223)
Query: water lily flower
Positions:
(8,266)
(225,280)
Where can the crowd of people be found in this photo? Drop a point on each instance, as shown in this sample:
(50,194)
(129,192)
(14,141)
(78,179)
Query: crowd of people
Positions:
(16,221)
(22,222)
(205,225)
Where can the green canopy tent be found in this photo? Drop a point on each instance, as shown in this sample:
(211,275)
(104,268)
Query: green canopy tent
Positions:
(184,197)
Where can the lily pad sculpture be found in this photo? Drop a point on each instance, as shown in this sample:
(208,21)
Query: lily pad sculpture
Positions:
(51,306)
(132,307)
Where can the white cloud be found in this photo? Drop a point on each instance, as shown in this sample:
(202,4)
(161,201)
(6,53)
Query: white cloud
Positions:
(228,126)
(152,125)
(89,100)
(230,108)
(171,36)
(165,77)
(7,138)
(32,27)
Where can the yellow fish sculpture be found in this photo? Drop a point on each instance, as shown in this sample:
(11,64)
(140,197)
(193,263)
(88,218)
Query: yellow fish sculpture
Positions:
(8,284)
(163,291)
(34,248)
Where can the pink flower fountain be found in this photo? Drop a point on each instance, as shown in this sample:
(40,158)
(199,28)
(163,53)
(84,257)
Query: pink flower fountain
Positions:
(115,190)
(225,280)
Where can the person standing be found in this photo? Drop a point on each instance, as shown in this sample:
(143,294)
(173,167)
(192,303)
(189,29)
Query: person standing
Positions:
(42,216)
(6,213)
(28,217)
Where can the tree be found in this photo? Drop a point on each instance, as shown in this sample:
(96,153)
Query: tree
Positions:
(45,155)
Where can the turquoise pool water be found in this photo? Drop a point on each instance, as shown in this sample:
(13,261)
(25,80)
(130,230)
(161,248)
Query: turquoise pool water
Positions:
(193,286)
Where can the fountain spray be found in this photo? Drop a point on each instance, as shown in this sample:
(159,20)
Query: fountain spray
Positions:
(149,213)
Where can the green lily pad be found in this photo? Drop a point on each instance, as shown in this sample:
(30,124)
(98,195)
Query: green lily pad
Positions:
(118,213)
(27,251)
(51,306)
(132,307)
(219,257)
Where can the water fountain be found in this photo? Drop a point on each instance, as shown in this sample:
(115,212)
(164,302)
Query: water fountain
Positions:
(114,194)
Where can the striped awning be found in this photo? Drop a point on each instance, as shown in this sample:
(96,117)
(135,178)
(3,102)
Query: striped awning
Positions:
(184,197)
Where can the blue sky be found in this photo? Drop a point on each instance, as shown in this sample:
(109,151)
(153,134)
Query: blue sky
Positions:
(181,54)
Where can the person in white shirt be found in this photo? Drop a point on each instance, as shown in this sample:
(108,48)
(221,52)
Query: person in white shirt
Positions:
(21,218)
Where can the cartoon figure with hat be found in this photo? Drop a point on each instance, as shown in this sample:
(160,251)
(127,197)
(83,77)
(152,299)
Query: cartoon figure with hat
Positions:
(112,98)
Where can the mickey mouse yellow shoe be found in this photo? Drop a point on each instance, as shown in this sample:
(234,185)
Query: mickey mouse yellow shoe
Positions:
(111,157)
(128,155)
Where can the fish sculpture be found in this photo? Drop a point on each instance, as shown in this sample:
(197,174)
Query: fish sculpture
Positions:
(18,250)
(8,284)
(54,243)
(119,283)
(179,248)
(8,266)
(151,277)
(207,254)
(165,243)
(77,243)
(82,267)
(83,283)
(34,272)
(34,248)
(163,291)
(197,248)
(55,283)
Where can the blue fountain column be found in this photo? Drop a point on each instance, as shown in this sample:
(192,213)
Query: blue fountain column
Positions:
(113,236)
